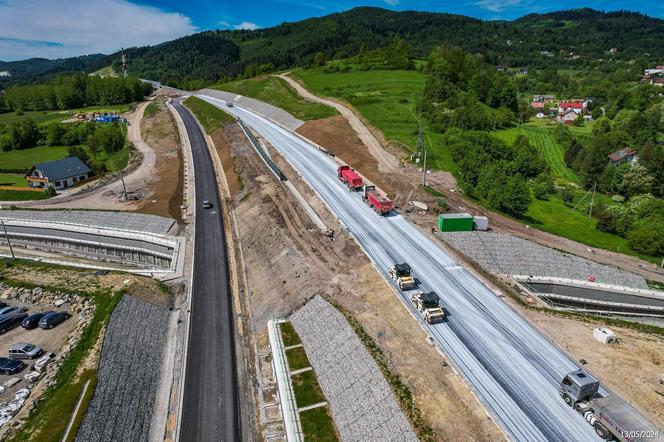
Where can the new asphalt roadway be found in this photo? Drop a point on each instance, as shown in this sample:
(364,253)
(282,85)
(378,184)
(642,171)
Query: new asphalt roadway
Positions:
(514,370)
(210,409)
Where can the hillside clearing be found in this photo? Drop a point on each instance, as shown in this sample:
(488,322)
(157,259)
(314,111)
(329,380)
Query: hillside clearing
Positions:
(278,93)
(24,159)
(386,99)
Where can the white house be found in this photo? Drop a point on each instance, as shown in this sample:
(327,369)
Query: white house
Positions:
(59,173)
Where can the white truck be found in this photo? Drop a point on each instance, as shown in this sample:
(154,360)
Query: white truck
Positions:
(611,417)
(427,303)
(400,273)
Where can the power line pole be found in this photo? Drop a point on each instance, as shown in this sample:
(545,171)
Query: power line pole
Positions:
(124,188)
(592,201)
(11,249)
(424,168)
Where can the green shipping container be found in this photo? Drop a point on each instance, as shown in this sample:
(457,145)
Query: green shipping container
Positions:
(455,222)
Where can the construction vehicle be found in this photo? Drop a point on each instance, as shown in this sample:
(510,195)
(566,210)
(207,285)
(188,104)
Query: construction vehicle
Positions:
(611,417)
(349,177)
(400,273)
(377,200)
(427,304)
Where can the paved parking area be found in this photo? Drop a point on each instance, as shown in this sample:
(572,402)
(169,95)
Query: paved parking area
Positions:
(50,340)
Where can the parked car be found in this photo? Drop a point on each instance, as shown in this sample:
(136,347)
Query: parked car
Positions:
(53,319)
(7,322)
(11,366)
(207,204)
(32,321)
(11,309)
(25,351)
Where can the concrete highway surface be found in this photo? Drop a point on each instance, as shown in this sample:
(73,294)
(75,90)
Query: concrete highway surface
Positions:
(514,370)
(210,409)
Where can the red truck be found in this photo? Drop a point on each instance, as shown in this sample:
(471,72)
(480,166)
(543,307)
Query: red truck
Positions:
(377,200)
(349,177)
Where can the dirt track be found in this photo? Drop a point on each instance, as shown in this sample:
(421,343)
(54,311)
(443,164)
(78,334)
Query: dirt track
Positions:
(385,165)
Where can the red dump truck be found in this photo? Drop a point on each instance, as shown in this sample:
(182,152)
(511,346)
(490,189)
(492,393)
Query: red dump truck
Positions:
(377,200)
(349,177)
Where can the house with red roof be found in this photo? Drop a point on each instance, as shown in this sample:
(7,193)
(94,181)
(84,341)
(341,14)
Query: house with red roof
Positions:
(622,156)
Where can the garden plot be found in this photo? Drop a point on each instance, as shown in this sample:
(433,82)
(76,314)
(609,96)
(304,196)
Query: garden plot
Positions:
(129,368)
(509,255)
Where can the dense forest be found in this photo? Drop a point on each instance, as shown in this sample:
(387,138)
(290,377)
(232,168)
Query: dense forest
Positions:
(39,69)
(74,91)
(528,42)
(563,39)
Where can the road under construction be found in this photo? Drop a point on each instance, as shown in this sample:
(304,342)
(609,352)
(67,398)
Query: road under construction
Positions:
(511,366)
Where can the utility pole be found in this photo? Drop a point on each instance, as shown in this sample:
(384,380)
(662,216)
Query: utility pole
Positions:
(124,188)
(424,168)
(592,200)
(11,249)
(124,62)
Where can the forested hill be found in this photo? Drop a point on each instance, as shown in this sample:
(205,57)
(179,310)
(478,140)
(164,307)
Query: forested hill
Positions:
(566,38)
(36,68)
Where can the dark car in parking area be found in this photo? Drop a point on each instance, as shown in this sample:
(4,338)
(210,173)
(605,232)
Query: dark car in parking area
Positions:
(11,309)
(52,319)
(32,321)
(11,366)
(7,322)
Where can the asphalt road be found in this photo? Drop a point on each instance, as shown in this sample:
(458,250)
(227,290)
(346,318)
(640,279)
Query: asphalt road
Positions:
(210,409)
(513,369)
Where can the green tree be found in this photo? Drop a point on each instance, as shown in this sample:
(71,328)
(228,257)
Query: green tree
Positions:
(648,236)
(636,181)
(54,133)
(24,134)
(513,197)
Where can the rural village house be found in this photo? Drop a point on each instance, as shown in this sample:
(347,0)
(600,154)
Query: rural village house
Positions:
(59,173)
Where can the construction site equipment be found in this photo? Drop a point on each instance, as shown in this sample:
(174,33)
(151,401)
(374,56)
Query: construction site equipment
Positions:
(604,335)
(400,273)
(455,222)
(377,200)
(481,223)
(420,205)
(611,417)
(427,303)
(349,177)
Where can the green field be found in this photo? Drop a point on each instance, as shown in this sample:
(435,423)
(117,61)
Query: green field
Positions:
(297,358)
(278,93)
(13,179)
(210,117)
(555,217)
(44,117)
(24,159)
(386,99)
(542,139)
(317,425)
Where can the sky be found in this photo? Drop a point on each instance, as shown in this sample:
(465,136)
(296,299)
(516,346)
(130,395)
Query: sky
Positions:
(66,28)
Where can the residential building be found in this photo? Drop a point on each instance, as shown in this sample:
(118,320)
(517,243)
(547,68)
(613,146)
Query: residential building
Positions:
(575,106)
(624,155)
(658,81)
(59,174)
(567,116)
(654,71)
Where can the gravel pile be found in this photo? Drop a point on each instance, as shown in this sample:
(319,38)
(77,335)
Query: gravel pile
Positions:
(131,357)
(500,253)
(137,222)
(362,403)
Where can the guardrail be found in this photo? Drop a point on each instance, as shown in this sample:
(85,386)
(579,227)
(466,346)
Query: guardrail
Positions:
(257,146)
